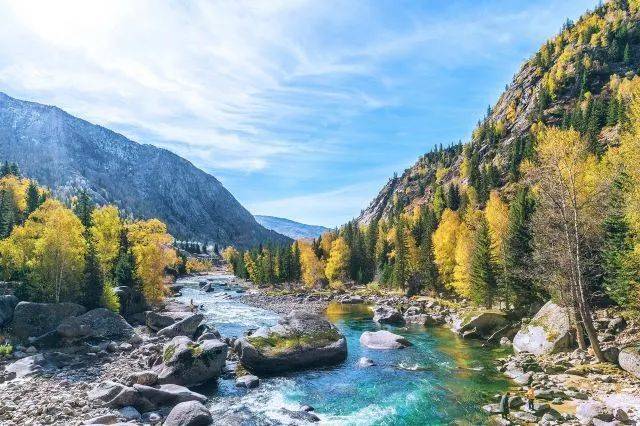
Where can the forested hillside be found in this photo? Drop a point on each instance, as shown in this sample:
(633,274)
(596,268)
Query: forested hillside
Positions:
(542,202)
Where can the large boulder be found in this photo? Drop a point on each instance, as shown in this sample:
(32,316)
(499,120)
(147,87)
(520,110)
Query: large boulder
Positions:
(8,304)
(301,340)
(191,413)
(481,323)
(186,327)
(157,321)
(548,332)
(188,363)
(98,323)
(384,314)
(168,394)
(35,319)
(591,410)
(629,360)
(383,339)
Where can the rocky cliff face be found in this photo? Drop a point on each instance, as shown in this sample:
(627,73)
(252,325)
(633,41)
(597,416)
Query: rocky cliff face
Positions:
(579,69)
(66,153)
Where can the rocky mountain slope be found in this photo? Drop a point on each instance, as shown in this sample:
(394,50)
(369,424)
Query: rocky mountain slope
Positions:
(66,153)
(575,80)
(290,228)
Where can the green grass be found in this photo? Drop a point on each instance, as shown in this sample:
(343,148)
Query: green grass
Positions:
(275,344)
(168,353)
(6,349)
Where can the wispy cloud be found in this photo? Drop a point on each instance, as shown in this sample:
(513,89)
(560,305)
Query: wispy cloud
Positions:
(286,88)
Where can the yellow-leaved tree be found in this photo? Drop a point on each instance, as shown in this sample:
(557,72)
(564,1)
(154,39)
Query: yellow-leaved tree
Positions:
(444,245)
(338,263)
(105,232)
(50,247)
(312,267)
(151,247)
(497,215)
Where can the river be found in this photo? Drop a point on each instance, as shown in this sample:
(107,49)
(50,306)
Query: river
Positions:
(440,380)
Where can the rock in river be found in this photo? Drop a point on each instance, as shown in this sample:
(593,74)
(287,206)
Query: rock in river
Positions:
(301,340)
(482,323)
(383,340)
(548,332)
(101,324)
(188,363)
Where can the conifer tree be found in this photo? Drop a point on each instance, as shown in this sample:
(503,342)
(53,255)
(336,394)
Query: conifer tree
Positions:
(83,208)
(517,286)
(482,273)
(620,277)
(93,280)
(8,213)
(33,198)
(401,259)
(626,56)
(453,197)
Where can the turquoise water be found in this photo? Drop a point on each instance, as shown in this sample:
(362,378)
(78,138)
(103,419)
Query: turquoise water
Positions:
(439,380)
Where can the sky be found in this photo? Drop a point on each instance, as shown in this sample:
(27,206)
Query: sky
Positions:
(302,109)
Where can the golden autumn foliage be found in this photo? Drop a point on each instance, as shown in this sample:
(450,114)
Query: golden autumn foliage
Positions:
(151,248)
(194,265)
(312,267)
(105,232)
(444,244)
(338,263)
(51,246)
(497,215)
(18,188)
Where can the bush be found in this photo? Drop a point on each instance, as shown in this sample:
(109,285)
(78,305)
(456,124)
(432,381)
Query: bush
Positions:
(5,349)
(110,299)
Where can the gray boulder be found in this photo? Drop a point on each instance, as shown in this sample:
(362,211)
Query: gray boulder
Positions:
(482,323)
(8,304)
(26,366)
(383,340)
(188,363)
(548,332)
(116,395)
(629,360)
(248,381)
(147,378)
(157,321)
(589,411)
(35,319)
(383,314)
(191,413)
(186,327)
(98,323)
(168,394)
(301,340)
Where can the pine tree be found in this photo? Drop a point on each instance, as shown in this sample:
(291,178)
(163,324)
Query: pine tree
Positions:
(83,208)
(93,280)
(453,197)
(620,279)
(482,275)
(626,56)
(427,263)
(401,259)
(439,202)
(296,267)
(517,286)
(8,213)
(33,198)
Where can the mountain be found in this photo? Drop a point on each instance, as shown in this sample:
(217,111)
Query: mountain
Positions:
(576,80)
(295,230)
(66,153)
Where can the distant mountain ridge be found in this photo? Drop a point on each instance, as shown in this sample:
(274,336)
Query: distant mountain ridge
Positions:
(66,153)
(290,228)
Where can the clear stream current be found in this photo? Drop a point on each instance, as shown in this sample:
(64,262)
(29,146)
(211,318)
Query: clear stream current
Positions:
(440,380)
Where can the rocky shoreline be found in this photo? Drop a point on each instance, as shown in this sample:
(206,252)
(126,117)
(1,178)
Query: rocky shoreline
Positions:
(101,370)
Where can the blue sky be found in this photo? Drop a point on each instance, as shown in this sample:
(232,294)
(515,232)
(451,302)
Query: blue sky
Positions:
(303,109)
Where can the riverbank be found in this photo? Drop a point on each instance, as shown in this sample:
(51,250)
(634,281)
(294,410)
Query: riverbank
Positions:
(571,387)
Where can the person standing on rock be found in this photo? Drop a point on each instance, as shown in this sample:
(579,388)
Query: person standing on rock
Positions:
(504,405)
(531,396)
